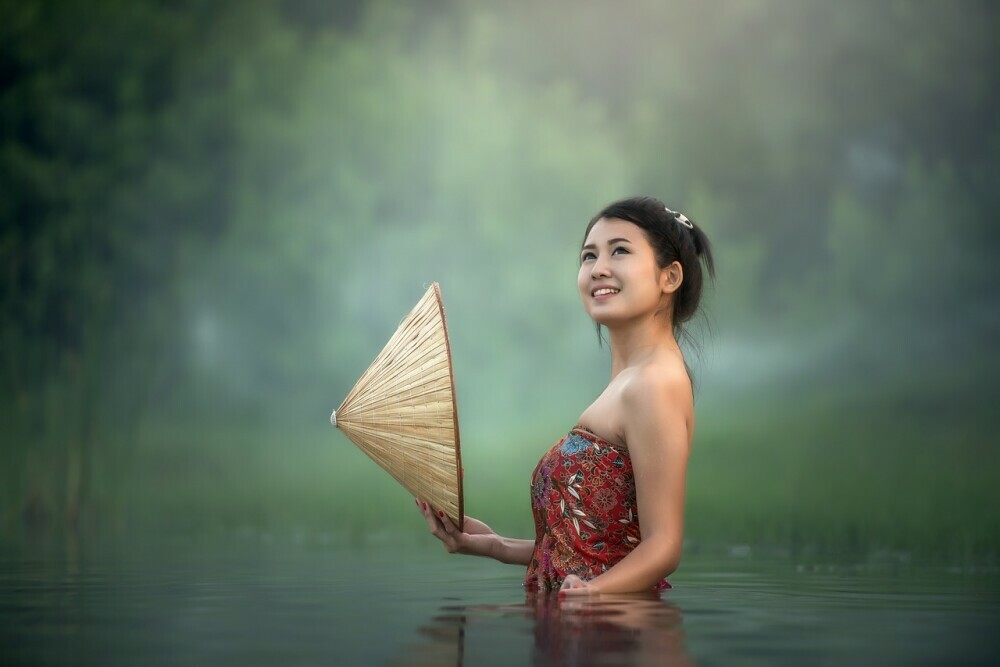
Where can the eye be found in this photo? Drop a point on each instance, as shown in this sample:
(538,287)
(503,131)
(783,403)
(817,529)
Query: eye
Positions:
(587,255)
(623,249)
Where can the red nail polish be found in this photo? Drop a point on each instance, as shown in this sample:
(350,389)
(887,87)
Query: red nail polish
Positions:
(424,505)
(441,513)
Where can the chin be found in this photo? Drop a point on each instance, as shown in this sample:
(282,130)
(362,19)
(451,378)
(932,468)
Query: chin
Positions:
(606,319)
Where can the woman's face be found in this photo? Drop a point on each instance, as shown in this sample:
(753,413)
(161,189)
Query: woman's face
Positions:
(619,277)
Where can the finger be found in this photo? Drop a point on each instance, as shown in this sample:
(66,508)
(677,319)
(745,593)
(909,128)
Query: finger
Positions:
(432,523)
(446,522)
(574,584)
(574,592)
(571,581)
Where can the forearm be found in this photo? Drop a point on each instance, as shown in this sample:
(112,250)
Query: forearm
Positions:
(640,570)
(512,551)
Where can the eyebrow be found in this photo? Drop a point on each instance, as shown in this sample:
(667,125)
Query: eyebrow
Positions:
(591,246)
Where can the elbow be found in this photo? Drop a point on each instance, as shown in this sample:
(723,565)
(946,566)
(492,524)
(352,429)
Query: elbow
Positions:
(668,556)
(671,564)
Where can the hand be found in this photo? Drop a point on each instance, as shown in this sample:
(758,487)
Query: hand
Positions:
(575,586)
(475,539)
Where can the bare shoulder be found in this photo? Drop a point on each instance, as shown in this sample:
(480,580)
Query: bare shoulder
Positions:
(660,405)
(658,383)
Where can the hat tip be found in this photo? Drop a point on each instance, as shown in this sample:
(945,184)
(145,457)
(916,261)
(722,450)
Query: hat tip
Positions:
(333,418)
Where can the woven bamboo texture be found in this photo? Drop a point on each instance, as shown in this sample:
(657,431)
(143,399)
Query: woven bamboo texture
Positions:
(402,411)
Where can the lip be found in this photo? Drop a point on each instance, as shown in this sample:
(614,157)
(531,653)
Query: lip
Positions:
(602,297)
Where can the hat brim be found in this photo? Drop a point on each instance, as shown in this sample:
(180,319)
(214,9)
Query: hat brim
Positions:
(402,411)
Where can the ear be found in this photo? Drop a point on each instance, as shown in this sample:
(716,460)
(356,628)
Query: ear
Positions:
(671,277)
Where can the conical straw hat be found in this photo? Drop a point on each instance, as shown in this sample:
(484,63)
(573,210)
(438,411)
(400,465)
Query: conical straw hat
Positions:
(402,411)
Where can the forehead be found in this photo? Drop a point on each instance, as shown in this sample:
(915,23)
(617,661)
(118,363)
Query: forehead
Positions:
(613,228)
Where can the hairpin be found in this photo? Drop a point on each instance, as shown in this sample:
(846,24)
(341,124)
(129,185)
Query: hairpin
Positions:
(681,218)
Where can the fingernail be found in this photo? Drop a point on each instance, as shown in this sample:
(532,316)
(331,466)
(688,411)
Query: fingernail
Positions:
(424,505)
(441,513)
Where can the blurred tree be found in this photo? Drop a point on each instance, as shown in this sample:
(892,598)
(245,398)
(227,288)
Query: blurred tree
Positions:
(103,117)
(219,212)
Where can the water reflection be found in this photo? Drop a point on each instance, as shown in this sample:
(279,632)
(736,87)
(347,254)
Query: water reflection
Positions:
(608,630)
(185,603)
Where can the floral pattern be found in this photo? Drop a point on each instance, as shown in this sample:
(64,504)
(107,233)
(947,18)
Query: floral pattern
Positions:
(584,505)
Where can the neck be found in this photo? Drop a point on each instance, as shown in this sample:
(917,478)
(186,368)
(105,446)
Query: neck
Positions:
(635,342)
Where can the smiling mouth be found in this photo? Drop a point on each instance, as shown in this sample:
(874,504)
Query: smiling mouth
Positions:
(604,291)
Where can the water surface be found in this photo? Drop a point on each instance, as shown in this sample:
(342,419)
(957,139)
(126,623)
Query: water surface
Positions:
(256,600)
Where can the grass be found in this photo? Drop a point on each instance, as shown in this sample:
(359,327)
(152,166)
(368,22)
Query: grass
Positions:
(854,476)
(808,476)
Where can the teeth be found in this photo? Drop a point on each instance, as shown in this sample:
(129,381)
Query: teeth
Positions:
(605,290)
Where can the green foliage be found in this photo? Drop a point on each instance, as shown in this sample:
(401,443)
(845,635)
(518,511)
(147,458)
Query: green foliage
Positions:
(213,216)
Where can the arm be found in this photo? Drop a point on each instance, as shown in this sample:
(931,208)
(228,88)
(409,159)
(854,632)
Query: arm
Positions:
(658,434)
(477,539)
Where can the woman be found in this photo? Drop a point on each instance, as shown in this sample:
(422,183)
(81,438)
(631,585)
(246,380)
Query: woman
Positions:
(641,276)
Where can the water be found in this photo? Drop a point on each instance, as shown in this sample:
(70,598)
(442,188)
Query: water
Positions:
(252,600)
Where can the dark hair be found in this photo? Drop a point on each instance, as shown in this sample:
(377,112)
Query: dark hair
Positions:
(673,240)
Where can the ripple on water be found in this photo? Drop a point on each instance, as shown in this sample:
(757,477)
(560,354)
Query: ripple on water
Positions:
(254,601)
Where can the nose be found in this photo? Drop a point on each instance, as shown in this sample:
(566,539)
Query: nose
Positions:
(599,269)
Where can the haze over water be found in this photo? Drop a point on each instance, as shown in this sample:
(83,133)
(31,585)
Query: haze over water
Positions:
(212,217)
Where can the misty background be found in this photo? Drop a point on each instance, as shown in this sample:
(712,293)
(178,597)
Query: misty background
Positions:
(214,215)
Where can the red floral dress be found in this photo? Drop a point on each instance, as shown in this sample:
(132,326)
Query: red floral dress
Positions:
(586,519)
